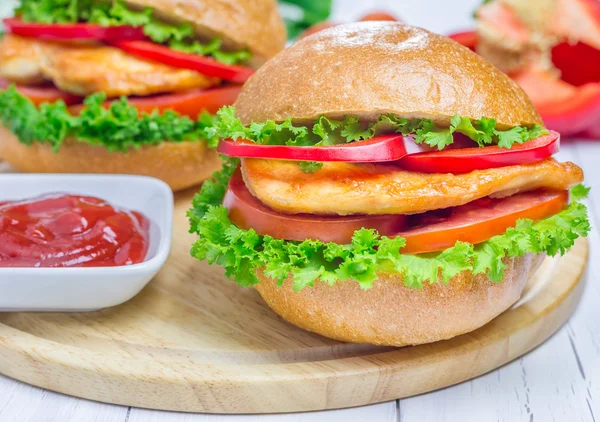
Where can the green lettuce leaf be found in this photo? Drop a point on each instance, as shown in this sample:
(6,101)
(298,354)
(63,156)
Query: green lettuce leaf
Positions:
(302,14)
(310,166)
(331,132)
(114,13)
(243,252)
(117,128)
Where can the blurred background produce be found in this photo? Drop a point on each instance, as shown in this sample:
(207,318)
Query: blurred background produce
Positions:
(302,14)
(552,49)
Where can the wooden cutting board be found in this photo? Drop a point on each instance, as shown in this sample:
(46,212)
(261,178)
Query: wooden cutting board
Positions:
(193,341)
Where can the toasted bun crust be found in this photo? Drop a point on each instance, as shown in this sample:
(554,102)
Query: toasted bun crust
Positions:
(180,165)
(370,68)
(252,24)
(394,315)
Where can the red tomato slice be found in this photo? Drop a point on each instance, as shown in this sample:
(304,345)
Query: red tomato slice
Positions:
(246,212)
(479,221)
(76,31)
(190,104)
(379,149)
(465,160)
(469,39)
(204,65)
(42,94)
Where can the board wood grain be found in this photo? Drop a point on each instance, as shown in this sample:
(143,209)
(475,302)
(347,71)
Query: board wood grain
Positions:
(193,341)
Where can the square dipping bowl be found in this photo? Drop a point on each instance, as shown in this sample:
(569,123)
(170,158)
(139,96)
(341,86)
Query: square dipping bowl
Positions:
(86,289)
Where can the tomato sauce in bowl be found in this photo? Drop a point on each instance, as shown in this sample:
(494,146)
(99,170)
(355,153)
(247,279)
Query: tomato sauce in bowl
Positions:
(71,231)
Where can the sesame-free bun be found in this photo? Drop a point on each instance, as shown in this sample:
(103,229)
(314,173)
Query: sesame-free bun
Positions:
(252,24)
(371,68)
(180,165)
(394,315)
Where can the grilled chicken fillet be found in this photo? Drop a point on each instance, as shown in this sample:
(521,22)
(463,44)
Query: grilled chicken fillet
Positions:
(346,188)
(85,69)
(21,58)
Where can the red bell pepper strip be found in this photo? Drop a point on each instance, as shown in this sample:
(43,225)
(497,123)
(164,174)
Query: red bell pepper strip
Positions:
(465,160)
(205,65)
(379,149)
(75,31)
(403,152)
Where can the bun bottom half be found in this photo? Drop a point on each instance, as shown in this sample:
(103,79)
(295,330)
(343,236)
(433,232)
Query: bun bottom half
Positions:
(180,165)
(392,314)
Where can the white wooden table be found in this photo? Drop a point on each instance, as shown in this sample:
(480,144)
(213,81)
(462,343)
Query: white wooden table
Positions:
(559,381)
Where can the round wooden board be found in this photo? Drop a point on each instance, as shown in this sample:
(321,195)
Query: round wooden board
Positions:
(193,341)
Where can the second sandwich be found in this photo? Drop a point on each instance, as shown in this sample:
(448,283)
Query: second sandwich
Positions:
(126,87)
(393,187)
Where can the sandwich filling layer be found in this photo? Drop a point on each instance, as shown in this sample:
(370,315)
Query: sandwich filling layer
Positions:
(243,251)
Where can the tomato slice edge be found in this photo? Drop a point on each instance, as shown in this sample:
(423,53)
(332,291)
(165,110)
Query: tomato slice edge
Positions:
(246,212)
(42,94)
(428,239)
(190,103)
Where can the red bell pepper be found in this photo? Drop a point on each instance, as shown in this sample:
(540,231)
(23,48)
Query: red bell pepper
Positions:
(73,31)
(467,38)
(205,65)
(403,152)
(379,149)
(465,160)
(579,64)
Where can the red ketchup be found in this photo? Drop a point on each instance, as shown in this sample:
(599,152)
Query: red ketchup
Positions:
(70,231)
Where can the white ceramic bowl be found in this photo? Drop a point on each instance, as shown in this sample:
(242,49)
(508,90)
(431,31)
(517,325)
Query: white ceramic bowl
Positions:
(88,289)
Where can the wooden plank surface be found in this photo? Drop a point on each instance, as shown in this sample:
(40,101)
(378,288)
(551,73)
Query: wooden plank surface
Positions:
(558,381)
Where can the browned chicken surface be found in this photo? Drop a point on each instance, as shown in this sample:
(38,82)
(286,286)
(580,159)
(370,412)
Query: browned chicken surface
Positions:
(345,188)
(85,69)
(21,59)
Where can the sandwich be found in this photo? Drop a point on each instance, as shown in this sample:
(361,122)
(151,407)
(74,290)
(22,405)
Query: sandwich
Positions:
(385,185)
(119,86)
